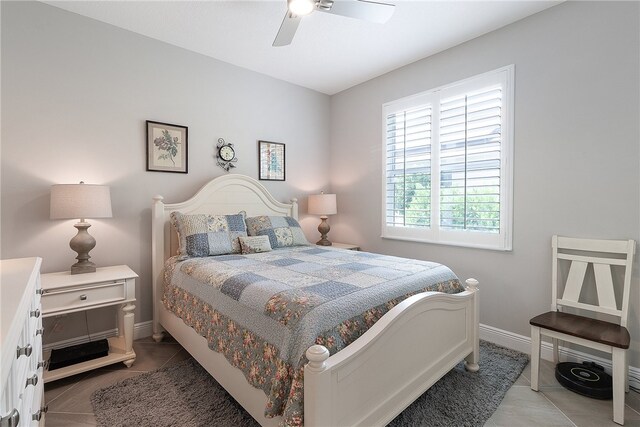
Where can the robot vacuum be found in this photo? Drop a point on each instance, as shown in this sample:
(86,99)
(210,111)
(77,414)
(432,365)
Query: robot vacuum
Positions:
(586,378)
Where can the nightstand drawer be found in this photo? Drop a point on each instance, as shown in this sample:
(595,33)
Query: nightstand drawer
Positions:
(59,300)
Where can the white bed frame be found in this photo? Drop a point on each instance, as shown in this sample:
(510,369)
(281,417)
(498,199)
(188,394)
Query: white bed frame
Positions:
(367,383)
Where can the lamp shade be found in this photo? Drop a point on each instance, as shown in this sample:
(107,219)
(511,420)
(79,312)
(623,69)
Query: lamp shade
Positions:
(323,204)
(80,201)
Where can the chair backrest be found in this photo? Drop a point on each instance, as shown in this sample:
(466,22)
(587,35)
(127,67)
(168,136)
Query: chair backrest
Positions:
(602,254)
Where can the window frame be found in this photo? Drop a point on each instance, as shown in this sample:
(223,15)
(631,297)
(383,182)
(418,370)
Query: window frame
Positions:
(501,241)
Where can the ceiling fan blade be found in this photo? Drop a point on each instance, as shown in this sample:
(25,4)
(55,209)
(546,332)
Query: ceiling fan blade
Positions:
(362,9)
(287,29)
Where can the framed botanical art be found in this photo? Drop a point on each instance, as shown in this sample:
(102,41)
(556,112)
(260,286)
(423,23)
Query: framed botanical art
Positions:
(167,149)
(271,161)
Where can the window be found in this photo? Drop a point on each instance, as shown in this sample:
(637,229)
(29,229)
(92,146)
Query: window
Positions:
(448,163)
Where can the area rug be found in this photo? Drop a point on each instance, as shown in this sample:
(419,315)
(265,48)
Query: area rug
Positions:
(186,395)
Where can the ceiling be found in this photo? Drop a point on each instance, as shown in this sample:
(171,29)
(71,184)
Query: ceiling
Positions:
(329,53)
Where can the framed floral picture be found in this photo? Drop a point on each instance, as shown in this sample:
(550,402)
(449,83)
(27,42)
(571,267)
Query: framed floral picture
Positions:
(271,161)
(167,147)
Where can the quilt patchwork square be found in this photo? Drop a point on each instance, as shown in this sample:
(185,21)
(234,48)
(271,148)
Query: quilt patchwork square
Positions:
(284,262)
(331,273)
(356,266)
(387,273)
(291,278)
(229,257)
(305,267)
(331,289)
(234,286)
(362,280)
(198,244)
(314,251)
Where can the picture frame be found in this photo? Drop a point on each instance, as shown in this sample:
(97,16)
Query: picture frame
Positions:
(167,147)
(271,161)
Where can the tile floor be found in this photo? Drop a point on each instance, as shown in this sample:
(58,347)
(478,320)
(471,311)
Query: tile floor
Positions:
(69,404)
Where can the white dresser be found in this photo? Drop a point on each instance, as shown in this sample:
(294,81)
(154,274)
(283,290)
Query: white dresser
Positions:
(21,401)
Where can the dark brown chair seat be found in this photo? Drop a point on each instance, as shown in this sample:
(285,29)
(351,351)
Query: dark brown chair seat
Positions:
(584,327)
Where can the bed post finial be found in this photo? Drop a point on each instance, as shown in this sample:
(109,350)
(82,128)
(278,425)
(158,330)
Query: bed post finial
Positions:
(158,198)
(317,355)
(472,284)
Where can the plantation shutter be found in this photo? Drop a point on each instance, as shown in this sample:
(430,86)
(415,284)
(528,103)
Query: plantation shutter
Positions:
(408,168)
(470,166)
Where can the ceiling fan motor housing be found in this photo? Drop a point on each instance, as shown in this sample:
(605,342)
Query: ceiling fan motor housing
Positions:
(324,4)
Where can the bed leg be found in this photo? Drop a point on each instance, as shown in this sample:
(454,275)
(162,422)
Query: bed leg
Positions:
(472,360)
(158,333)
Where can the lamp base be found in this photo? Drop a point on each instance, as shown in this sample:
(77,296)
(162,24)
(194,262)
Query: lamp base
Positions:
(323,228)
(83,267)
(82,243)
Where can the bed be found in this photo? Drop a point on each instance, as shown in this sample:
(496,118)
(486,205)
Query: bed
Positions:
(369,381)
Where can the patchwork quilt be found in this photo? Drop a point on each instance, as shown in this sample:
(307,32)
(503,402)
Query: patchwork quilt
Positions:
(263,310)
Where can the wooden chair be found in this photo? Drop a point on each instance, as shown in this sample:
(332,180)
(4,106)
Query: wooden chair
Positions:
(605,336)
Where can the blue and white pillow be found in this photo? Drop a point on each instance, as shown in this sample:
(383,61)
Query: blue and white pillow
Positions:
(283,231)
(203,235)
(254,244)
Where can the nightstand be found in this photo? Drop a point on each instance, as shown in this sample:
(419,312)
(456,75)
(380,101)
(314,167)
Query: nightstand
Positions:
(109,286)
(345,246)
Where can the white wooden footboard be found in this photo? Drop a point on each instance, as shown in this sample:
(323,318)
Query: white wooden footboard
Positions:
(372,380)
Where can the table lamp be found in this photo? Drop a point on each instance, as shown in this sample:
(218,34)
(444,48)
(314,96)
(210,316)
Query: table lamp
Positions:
(81,201)
(323,205)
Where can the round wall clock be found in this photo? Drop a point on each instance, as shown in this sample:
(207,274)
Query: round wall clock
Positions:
(226,155)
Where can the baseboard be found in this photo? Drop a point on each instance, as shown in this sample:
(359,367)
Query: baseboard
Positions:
(140,330)
(523,344)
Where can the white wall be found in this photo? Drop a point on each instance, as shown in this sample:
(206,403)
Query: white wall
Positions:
(576,150)
(75,96)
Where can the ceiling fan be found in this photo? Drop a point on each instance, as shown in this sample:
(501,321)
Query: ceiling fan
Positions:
(360,9)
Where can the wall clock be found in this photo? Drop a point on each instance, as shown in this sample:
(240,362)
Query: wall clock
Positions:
(226,155)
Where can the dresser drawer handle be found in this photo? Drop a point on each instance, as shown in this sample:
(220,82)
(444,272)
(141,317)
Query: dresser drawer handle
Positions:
(40,331)
(10,420)
(32,381)
(40,291)
(35,313)
(38,415)
(24,351)
(83,297)
(43,364)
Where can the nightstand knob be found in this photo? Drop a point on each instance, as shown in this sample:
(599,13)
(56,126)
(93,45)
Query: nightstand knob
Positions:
(25,351)
(40,331)
(35,313)
(40,291)
(11,420)
(32,381)
(43,364)
(38,415)
(83,297)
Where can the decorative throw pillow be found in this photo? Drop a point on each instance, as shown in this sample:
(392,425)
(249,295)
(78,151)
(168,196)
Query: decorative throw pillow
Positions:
(203,235)
(283,231)
(254,244)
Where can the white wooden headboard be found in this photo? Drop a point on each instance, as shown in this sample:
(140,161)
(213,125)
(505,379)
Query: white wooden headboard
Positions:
(228,194)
